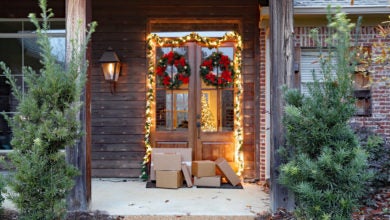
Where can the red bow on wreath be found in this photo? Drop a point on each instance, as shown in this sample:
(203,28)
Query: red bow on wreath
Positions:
(173,79)
(221,62)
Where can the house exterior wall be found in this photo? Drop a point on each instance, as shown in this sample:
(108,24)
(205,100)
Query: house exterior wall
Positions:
(118,120)
(379,120)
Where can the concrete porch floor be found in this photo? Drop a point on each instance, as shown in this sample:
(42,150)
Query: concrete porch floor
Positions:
(131,199)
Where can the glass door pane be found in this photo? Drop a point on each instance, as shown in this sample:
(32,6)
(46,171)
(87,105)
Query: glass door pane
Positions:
(217,101)
(171,98)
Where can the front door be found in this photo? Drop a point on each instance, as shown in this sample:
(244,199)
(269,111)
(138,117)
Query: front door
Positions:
(194,100)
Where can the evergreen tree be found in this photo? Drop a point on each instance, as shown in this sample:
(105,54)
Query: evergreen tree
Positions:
(325,166)
(46,122)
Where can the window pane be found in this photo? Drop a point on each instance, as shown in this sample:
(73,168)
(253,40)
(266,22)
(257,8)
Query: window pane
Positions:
(170,69)
(161,107)
(31,54)
(5,134)
(181,110)
(5,92)
(227,110)
(10,26)
(206,52)
(172,110)
(209,115)
(11,54)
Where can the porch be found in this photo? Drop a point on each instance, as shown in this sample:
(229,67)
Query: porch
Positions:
(131,198)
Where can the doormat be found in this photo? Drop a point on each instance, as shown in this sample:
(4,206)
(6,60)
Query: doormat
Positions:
(152,184)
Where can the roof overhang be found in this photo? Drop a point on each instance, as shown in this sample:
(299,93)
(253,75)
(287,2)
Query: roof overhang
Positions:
(372,15)
(356,10)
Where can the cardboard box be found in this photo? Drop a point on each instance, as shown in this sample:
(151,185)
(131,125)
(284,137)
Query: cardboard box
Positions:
(203,168)
(167,161)
(186,158)
(187,175)
(227,171)
(152,175)
(214,181)
(171,179)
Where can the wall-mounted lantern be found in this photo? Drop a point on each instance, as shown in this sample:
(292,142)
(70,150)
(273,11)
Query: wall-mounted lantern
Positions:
(111,67)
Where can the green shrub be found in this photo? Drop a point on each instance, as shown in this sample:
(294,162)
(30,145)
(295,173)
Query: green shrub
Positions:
(378,161)
(325,167)
(45,123)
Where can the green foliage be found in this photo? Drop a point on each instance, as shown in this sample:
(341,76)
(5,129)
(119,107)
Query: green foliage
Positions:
(325,166)
(378,161)
(46,123)
(2,186)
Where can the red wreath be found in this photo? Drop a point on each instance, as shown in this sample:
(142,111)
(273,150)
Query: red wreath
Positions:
(169,80)
(223,63)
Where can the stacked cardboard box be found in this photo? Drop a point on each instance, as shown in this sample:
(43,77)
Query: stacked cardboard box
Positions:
(186,158)
(170,165)
(204,173)
(168,170)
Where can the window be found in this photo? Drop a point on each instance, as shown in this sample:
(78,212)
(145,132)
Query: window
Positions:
(361,79)
(309,62)
(18,48)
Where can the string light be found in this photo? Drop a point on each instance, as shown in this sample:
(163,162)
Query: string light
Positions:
(152,41)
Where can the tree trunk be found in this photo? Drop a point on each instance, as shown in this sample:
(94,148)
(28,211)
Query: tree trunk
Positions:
(281,42)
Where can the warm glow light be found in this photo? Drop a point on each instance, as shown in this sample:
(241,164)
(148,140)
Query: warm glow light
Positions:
(152,41)
(111,70)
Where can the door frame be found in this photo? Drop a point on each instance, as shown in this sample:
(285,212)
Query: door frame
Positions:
(152,41)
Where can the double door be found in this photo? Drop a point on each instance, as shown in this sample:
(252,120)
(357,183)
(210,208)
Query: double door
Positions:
(196,114)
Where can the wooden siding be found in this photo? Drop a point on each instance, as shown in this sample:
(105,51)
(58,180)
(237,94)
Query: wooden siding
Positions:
(118,119)
(21,8)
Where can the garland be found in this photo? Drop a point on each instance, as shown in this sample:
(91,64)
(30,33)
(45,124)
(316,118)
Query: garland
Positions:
(153,40)
(177,60)
(220,62)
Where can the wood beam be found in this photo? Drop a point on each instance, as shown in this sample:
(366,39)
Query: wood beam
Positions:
(79,196)
(281,50)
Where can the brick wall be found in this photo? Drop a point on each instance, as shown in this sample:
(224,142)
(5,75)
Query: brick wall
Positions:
(263,111)
(379,121)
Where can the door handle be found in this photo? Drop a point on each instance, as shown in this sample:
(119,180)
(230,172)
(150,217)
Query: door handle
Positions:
(198,125)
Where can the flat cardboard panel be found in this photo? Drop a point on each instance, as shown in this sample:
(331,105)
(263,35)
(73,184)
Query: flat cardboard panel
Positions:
(169,179)
(227,171)
(203,168)
(167,161)
(208,181)
(187,175)
(186,153)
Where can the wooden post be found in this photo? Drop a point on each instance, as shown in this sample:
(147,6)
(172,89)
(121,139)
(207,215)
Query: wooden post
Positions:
(281,42)
(78,198)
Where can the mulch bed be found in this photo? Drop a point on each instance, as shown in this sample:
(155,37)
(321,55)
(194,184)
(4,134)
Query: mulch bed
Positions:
(379,210)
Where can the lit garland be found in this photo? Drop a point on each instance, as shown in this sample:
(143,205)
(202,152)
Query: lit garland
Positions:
(154,40)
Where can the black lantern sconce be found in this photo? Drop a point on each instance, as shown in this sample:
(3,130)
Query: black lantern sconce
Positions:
(111,67)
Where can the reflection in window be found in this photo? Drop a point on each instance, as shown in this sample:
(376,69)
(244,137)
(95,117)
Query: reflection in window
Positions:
(18,48)
(217,104)
(208,120)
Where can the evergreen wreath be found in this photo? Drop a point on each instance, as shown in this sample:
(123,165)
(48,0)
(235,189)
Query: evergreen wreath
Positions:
(221,62)
(170,80)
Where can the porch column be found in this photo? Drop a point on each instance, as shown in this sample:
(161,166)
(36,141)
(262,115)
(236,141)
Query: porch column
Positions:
(78,156)
(281,51)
